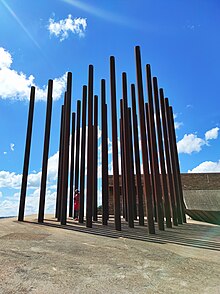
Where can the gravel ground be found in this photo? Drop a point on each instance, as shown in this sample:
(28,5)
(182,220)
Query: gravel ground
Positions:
(73,259)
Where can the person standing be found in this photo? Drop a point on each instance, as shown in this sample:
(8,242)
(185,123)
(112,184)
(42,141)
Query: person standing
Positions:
(76,204)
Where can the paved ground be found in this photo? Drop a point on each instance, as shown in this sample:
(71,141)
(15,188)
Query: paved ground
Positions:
(49,259)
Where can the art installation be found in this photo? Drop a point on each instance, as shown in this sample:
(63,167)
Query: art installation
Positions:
(159,200)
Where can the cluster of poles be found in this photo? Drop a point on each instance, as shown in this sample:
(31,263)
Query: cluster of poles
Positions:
(161,190)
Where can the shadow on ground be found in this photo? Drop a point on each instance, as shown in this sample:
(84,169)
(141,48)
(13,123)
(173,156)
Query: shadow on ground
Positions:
(193,234)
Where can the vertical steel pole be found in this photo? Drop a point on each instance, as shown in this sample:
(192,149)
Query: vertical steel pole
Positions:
(57,213)
(26,156)
(72,165)
(104,155)
(128,151)
(126,146)
(153,143)
(173,163)
(76,186)
(89,151)
(116,192)
(161,154)
(168,159)
(66,150)
(182,206)
(82,167)
(134,193)
(123,182)
(147,189)
(95,158)
(45,153)
(137,158)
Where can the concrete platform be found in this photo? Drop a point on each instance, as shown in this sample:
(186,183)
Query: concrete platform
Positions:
(49,258)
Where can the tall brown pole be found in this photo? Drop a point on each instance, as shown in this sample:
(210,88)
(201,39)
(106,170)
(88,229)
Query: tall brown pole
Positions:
(89,151)
(66,150)
(182,206)
(72,165)
(45,153)
(147,189)
(82,167)
(95,158)
(116,192)
(137,158)
(26,156)
(128,153)
(168,160)
(126,145)
(123,182)
(104,155)
(77,146)
(161,154)
(134,193)
(173,163)
(153,143)
(57,213)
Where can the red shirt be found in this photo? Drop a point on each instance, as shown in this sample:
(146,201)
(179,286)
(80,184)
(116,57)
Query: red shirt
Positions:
(76,201)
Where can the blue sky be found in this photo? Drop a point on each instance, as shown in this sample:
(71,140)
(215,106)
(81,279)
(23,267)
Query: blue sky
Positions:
(45,39)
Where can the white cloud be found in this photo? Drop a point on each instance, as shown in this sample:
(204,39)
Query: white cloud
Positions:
(12,147)
(62,28)
(4,152)
(206,166)
(190,143)
(5,58)
(212,134)
(16,85)
(177,124)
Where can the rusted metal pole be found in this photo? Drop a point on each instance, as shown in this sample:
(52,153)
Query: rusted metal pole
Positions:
(89,151)
(182,205)
(147,189)
(134,193)
(45,153)
(66,150)
(104,155)
(137,158)
(82,167)
(57,213)
(168,159)
(76,186)
(161,154)
(72,166)
(128,151)
(95,158)
(151,162)
(26,156)
(173,163)
(116,192)
(128,185)
(123,182)
(153,143)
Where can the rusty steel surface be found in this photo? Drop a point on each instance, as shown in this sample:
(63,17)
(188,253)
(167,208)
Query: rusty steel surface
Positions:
(116,193)
(161,156)
(83,150)
(66,136)
(26,156)
(137,158)
(89,192)
(104,154)
(72,165)
(95,159)
(45,153)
